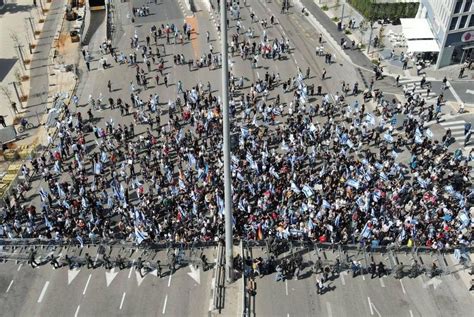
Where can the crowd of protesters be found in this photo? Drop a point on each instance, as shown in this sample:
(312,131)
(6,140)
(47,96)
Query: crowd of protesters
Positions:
(326,171)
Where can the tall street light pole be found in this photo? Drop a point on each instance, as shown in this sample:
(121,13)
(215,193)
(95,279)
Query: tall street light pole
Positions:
(229,257)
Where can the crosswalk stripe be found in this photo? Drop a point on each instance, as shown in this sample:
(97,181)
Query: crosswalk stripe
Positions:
(453,122)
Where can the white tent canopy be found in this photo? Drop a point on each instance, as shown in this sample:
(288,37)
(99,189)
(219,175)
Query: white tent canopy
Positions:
(416,29)
(419,46)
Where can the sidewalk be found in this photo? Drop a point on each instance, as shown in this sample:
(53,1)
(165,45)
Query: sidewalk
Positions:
(391,66)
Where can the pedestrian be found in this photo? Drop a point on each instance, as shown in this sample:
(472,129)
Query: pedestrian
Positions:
(467,133)
(165,79)
(323,75)
(54,262)
(88,66)
(14,107)
(307,72)
(90,263)
(320,38)
(109,85)
(2,120)
(31,259)
(461,73)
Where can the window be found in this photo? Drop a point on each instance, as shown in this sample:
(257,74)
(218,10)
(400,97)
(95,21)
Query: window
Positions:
(462,24)
(471,22)
(467,7)
(458,6)
(454,21)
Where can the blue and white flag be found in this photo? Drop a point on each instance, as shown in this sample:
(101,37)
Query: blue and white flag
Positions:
(182,185)
(366,232)
(81,241)
(307,191)
(104,157)
(60,191)
(98,168)
(84,203)
(244,132)
(295,188)
(274,173)
(220,204)
(326,204)
(388,137)
(140,235)
(191,160)
(353,183)
(370,118)
(43,194)
(429,133)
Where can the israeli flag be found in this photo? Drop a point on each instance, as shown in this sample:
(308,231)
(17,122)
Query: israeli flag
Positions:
(394,154)
(249,158)
(191,160)
(423,183)
(353,183)
(295,188)
(84,203)
(43,194)
(140,235)
(60,191)
(429,133)
(326,204)
(370,118)
(383,176)
(366,233)
(180,136)
(240,177)
(274,173)
(66,204)
(98,168)
(47,223)
(244,132)
(350,144)
(57,167)
(307,191)
(81,241)
(122,193)
(388,137)
(220,204)
(104,157)
(182,185)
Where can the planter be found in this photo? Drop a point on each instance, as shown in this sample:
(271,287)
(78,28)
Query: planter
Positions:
(25,78)
(27,61)
(23,98)
(41,21)
(37,32)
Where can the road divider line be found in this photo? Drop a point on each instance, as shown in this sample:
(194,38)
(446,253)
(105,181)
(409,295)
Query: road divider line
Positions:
(403,287)
(370,306)
(43,292)
(131,269)
(343,281)
(286,287)
(87,284)
(169,280)
(19,267)
(382,282)
(328,307)
(9,286)
(164,304)
(123,299)
(411,313)
(77,310)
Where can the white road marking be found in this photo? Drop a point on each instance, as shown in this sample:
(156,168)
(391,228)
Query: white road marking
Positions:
(363,277)
(328,307)
(131,269)
(403,287)
(164,304)
(382,282)
(87,284)
(77,310)
(286,287)
(9,286)
(411,313)
(343,281)
(123,298)
(43,291)
(19,267)
(370,306)
(169,280)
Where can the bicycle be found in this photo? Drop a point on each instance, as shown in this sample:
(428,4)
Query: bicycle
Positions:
(24,125)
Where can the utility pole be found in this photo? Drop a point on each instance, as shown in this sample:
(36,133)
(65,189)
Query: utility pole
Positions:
(229,256)
(342,14)
(32,27)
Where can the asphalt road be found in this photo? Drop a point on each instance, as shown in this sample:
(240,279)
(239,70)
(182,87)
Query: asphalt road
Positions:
(44,291)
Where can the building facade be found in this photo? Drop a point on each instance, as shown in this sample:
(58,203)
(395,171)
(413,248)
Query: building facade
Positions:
(452,23)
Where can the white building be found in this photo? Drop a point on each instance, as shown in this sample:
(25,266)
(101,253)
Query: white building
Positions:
(452,24)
